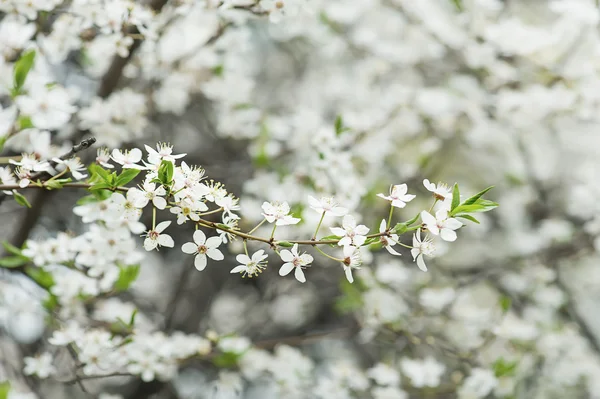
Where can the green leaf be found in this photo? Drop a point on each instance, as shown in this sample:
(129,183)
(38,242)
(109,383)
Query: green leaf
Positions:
(285,244)
(21,200)
(126,176)
(505,303)
(53,184)
(24,122)
(3,141)
(226,359)
(51,303)
(127,275)
(468,217)
(413,220)
(100,186)
(40,276)
(223,226)
(165,172)
(22,68)
(13,261)
(4,389)
(458,4)
(484,206)
(132,318)
(371,240)
(400,228)
(473,199)
(504,368)
(97,171)
(12,249)
(455,197)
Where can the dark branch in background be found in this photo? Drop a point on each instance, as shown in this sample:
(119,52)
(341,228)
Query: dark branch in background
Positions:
(41,198)
(108,84)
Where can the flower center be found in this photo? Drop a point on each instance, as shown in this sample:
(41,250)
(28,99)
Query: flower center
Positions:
(202,249)
(153,235)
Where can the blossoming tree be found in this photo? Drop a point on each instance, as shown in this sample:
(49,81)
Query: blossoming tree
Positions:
(318,125)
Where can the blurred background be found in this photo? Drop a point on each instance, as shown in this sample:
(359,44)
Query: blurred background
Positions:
(279,100)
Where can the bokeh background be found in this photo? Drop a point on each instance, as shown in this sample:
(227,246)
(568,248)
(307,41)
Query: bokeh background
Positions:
(479,92)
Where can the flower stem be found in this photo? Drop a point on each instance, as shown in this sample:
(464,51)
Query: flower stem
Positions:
(153,218)
(245,248)
(327,255)
(432,205)
(319,226)
(273,231)
(257,226)
(389,221)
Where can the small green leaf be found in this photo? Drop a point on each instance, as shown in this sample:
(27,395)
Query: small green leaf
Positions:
(473,199)
(53,184)
(413,220)
(400,228)
(22,68)
(24,122)
(223,226)
(40,276)
(505,303)
(132,318)
(458,4)
(97,171)
(13,261)
(126,176)
(455,197)
(12,249)
(51,303)
(504,368)
(100,186)
(478,207)
(330,237)
(226,359)
(371,240)
(165,172)
(339,125)
(127,276)
(285,244)
(468,217)
(4,389)
(21,200)
(218,70)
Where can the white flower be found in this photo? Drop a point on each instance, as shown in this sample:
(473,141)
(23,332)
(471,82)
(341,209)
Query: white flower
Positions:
(165,151)
(351,233)
(128,159)
(154,238)
(41,365)
(278,213)
(48,108)
(352,260)
(421,248)
(326,204)
(441,225)
(441,191)
(186,210)
(250,266)
(202,248)
(384,374)
(423,373)
(294,261)
(103,157)
(478,385)
(74,165)
(229,204)
(149,192)
(388,241)
(398,195)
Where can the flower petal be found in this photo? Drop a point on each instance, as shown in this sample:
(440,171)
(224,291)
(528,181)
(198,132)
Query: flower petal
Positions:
(286,268)
(213,242)
(448,235)
(162,226)
(238,269)
(215,254)
(299,274)
(200,262)
(199,237)
(189,248)
(421,263)
(166,241)
(286,256)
